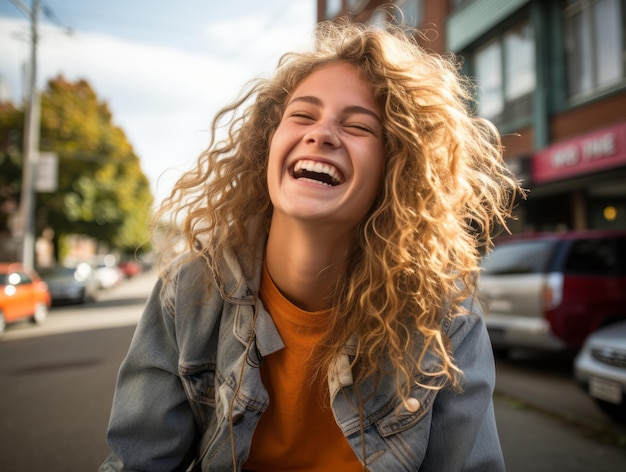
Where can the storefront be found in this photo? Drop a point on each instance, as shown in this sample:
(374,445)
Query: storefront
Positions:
(579,183)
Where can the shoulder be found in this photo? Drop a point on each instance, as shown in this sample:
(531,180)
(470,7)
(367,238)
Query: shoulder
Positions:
(465,321)
(186,278)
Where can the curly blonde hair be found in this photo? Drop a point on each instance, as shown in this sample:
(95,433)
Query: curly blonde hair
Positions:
(416,253)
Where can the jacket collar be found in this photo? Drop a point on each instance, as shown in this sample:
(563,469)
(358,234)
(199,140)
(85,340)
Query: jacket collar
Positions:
(241,268)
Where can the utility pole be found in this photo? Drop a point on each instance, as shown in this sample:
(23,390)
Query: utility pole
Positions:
(31,144)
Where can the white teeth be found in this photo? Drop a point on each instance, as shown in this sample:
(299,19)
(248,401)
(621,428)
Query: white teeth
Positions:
(318,167)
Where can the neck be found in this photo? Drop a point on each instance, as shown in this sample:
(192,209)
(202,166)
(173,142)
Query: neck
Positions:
(305,261)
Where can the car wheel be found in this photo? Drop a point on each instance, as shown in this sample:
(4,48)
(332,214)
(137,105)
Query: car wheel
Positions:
(82,298)
(3,323)
(41,313)
(616,412)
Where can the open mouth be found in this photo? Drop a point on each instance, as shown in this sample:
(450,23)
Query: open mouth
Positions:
(317,172)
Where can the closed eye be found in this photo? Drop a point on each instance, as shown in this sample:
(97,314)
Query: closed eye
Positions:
(360,127)
(302,116)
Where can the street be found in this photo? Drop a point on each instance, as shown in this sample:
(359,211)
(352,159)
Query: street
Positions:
(547,423)
(57,383)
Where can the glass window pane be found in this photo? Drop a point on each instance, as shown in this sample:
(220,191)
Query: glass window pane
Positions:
(333,7)
(519,57)
(410,12)
(524,257)
(608,41)
(488,64)
(379,18)
(579,51)
(594,257)
(355,5)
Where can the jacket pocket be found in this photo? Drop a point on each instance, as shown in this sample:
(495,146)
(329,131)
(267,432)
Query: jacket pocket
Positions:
(403,417)
(199,384)
(398,438)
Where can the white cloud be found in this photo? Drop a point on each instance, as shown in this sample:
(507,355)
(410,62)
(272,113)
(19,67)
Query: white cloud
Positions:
(163,98)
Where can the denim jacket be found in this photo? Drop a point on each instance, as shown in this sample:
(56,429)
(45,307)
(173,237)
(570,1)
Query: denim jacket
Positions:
(189,394)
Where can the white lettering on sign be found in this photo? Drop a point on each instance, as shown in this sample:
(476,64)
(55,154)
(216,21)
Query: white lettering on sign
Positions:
(596,148)
(566,157)
(590,149)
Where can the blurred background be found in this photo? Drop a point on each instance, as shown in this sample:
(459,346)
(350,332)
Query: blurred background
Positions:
(104,104)
(124,95)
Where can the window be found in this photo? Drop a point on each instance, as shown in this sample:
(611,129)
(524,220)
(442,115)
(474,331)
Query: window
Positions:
(596,257)
(333,8)
(522,257)
(519,60)
(594,44)
(488,65)
(355,5)
(505,75)
(411,12)
(379,18)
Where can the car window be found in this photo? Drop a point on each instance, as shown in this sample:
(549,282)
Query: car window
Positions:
(521,257)
(597,257)
(24,278)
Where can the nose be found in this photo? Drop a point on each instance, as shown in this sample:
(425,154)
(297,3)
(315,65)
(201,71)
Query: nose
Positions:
(323,133)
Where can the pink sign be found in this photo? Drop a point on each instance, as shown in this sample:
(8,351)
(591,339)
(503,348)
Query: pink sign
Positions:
(591,152)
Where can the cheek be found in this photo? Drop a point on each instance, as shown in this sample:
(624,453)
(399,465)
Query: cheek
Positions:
(278,146)
(274,166)
(374,163)
(273,160)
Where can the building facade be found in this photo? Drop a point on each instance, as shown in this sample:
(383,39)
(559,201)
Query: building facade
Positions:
(551,75)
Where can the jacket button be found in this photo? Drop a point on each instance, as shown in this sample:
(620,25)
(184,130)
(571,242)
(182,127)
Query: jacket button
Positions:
(413,404)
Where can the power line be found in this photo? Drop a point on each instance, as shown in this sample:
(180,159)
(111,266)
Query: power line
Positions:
(47,11)
(22,7)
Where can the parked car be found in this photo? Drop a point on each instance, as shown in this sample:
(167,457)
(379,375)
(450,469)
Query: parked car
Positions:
(130,268)
(600,369)
(108,275)
(23,295)
(70,284)
(549,291)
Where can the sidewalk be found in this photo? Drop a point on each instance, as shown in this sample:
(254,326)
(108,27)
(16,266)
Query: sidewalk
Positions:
(138,286)
(121,305)
(559,396)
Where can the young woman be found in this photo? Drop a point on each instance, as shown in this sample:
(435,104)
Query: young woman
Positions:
(322,316)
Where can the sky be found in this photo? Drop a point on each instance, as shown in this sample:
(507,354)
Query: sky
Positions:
(164,68)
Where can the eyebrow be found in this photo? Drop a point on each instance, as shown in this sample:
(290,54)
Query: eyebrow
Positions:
(349,109)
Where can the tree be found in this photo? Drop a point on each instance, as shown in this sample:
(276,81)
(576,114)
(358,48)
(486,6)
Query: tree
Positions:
(11,129)
(102,191)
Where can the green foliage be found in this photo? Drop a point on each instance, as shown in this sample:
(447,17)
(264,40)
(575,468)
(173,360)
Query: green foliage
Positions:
(11,126)
(102,191)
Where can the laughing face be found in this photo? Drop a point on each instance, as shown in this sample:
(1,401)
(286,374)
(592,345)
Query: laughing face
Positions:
(326,156)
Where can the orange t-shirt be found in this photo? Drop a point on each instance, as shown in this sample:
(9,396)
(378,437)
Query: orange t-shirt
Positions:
(297,431)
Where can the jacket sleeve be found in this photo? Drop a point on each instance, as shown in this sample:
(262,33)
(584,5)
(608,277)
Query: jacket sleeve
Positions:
(464,435)
(151,427)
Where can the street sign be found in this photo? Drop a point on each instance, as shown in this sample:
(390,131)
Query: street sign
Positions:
(47,172)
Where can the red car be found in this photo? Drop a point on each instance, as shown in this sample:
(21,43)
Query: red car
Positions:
(23,295)
(549,291)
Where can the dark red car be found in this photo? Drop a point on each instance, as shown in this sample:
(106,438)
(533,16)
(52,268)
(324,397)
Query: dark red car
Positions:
(551,290)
